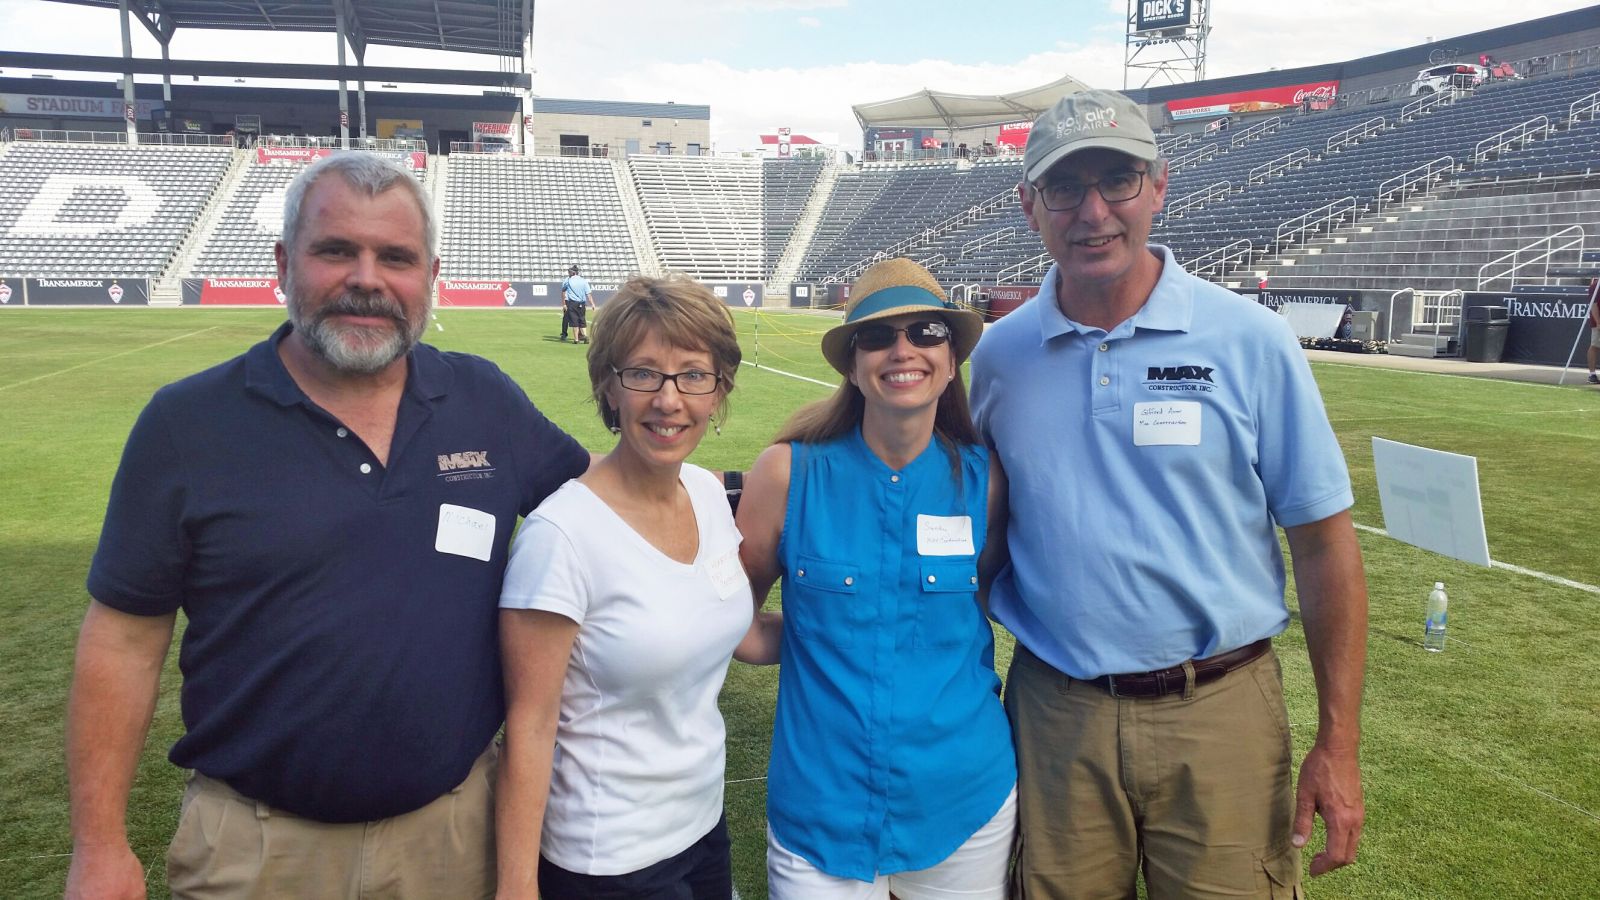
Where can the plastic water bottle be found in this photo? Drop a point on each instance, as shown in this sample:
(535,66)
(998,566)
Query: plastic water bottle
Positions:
(1438,611)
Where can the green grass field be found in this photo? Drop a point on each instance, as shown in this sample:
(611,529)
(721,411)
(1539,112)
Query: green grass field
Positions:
(1480,763)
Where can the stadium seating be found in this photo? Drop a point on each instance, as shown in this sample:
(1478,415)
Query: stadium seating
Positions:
(240,244)
(705,214)
(113,210)
(529,218)
(786,186)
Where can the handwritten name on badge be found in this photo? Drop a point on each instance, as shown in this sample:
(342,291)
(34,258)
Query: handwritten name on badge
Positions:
(944,535)
(464,531)
(1172,423)
(727,574)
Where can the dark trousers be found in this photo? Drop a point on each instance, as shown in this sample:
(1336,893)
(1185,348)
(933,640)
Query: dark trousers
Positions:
(702,872)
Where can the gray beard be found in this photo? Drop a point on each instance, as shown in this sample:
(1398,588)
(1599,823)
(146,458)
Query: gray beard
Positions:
(354,351)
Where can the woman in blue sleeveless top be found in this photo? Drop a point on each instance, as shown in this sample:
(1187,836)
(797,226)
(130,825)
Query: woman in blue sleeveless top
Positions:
(892,767)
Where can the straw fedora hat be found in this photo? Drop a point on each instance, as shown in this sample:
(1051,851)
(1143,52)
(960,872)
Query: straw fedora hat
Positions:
(895,287)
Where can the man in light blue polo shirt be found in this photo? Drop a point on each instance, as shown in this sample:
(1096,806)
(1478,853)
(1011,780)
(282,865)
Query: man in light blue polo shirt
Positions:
(1156,430)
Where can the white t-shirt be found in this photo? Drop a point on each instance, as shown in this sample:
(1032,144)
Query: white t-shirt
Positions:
(639,757)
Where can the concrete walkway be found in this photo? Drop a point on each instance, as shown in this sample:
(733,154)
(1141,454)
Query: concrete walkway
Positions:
(1576,376)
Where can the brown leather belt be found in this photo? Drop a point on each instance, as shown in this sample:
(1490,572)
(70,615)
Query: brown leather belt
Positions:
(1171,681)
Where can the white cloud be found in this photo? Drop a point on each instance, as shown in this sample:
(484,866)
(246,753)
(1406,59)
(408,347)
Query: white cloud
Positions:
(810,21)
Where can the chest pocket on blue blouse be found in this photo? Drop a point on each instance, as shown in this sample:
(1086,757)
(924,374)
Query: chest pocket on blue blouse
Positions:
(833,611)
(947,612)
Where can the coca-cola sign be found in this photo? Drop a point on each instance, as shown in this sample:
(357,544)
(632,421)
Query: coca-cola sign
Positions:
(1259,100)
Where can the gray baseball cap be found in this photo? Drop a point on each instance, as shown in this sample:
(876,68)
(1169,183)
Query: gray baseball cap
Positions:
(1082,121)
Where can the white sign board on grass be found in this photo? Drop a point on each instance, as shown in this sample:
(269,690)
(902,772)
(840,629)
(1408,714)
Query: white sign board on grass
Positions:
(1430,499)
(1313,320)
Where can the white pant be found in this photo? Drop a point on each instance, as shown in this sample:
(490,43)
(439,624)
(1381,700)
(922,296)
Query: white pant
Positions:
(975,871)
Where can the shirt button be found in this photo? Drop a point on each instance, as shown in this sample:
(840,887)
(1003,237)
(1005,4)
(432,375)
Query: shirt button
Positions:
(974,579)
(343,432)
(1105,380)
(932,579)
(366,468)
(1104,347)
(800,573)
(849,581)
(895,479)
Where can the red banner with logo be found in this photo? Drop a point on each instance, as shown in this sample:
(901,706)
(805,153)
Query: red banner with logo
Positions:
(476,292)
(1015,134)
(291,154)
(232,291)
(1005,298)
(1320,93)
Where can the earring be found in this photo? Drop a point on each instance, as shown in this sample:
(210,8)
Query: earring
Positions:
(716,426)
(616,429)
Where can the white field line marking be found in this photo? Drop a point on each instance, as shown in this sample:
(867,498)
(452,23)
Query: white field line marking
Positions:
(1554,387)
(1496,564)
(40,856)
(745,780)
(1520,783)
(7,387)
(788,374)
(1520,412)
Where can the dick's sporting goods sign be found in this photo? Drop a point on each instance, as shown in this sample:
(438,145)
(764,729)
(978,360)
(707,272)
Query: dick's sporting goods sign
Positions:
(1158,15)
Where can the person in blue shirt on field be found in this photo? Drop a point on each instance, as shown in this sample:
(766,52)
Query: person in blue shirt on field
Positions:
(891,767)
(575,303)
(1157,430)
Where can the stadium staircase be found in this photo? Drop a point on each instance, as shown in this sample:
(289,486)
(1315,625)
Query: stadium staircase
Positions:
(805,228)
(704,213)
(633,212)
(170,287)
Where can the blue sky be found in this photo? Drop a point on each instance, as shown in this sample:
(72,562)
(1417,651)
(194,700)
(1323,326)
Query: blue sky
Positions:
(761,64)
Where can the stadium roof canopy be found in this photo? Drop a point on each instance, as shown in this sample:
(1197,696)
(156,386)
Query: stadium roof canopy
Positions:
(496,27)
(938,109)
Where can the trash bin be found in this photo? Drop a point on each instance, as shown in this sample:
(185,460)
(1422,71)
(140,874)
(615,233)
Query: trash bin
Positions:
(1486,333)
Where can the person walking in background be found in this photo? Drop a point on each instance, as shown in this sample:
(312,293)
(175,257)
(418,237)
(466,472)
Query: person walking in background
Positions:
(331,512)
(1155,430)
(1594,335)
(575,302)
(880,509)
(623,601)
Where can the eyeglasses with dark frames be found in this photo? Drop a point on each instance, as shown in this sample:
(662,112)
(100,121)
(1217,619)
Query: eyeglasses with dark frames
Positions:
(648,381)
(1118,187)
(921,333)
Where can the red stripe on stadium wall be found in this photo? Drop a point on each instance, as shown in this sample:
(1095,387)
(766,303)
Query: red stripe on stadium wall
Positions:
(1252,101)
(293,154)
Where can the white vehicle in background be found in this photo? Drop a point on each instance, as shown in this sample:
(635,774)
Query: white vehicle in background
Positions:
(1450,75)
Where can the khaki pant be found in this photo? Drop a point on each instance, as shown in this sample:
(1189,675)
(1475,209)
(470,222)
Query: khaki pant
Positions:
(229,847)
(1194,788)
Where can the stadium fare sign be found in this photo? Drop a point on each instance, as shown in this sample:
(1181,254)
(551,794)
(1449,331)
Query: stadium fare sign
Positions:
(1005,298)
(12,292)
(88,291)
(52,106)
(232,292)
(1320,93)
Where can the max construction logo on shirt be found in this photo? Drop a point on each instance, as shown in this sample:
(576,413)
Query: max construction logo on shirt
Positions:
(1180,378)
(467,465)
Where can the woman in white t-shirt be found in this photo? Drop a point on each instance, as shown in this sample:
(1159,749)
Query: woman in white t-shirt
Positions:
(623,600)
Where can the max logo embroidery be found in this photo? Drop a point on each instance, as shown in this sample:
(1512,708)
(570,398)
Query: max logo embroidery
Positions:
(470,459)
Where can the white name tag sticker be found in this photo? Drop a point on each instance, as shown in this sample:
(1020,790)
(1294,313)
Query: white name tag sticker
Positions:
(944,535)
(727,574)
(465,531)
(1170,423)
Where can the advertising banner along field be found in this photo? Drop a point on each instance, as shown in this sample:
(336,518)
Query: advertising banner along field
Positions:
(88,291)
(232,292)
(1318,93)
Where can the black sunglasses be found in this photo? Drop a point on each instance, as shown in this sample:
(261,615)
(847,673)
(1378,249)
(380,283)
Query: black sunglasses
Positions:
(922,333)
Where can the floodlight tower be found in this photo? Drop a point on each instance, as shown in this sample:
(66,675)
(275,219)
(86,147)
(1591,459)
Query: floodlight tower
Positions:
(1166,39)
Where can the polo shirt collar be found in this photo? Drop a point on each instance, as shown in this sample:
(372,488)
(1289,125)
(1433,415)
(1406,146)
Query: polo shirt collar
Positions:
(428,376)
(1170,306)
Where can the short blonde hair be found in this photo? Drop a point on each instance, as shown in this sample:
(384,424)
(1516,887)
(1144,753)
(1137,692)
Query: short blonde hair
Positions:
(681,311)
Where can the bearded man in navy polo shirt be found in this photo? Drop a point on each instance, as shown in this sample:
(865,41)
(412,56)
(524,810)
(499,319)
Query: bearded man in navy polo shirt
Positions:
(331,512)
(1156,431)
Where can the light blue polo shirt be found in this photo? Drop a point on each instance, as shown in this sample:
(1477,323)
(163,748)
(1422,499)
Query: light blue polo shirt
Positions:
(1147,468)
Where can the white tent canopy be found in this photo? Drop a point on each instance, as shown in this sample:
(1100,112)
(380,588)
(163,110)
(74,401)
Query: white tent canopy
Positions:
(939,109)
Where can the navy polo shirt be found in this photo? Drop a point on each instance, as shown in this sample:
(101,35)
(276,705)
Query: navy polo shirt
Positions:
(340,659)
